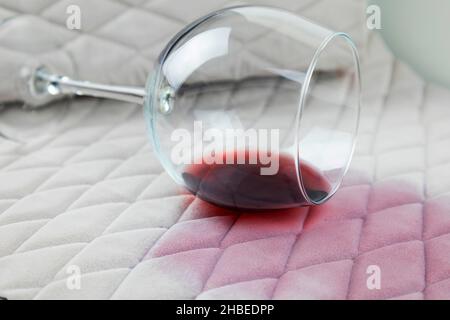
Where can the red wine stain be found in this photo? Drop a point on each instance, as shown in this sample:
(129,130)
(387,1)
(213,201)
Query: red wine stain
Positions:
(243,187)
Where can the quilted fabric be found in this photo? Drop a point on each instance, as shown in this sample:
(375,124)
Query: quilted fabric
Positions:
(80,187)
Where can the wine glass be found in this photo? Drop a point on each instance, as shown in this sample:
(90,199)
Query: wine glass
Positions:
(249,107)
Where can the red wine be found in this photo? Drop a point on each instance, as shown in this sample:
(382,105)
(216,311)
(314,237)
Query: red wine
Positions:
(241,186)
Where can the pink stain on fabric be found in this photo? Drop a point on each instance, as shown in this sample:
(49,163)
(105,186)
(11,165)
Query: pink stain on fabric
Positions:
(322,252)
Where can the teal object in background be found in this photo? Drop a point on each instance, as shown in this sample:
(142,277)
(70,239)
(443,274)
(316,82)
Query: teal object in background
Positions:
(418,32)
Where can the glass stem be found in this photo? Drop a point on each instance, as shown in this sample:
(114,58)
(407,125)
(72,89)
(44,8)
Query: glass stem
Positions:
(62,85)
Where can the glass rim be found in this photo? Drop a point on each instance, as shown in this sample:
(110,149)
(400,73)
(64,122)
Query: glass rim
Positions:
(299,115)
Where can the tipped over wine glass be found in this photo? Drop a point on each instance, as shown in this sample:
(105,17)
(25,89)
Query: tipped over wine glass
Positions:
(250,107)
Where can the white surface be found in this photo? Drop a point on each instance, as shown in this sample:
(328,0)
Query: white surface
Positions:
(85,189)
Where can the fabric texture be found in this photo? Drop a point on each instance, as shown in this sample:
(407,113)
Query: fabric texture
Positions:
(80,186)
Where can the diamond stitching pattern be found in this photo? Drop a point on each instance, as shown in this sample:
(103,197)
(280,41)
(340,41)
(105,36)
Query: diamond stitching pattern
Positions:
(146,240)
